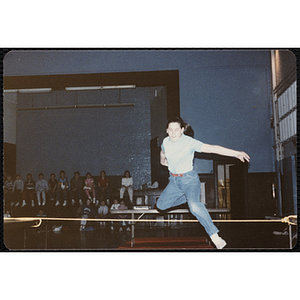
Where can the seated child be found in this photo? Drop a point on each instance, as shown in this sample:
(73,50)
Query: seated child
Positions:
(76,188)
(29,190)
(90,187)
(8,192)
(87,212)
(102,211)
(41,187)
(123,217)
(127,183)
(52,184)
(115,206)
(63,186)
(103,186)
(18,189)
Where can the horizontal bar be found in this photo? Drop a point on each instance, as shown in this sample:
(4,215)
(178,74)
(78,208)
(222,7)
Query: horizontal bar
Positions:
(79,106)
(89,88)
(40,219)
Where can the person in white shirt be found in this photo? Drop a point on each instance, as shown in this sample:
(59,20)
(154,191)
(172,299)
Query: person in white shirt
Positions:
(127,183)
(177,153)
(115,206)
(41,187)
(102,211)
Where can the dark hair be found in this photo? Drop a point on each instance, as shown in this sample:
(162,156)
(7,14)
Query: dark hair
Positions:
(29,174)
(176,120)
(88,174)
(103,172)
(189,130)
(41,174)
(18,175)
(62,171)
(126,172)
(76,173)
(52,174)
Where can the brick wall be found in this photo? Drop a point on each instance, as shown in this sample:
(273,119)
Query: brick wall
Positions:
(113,139)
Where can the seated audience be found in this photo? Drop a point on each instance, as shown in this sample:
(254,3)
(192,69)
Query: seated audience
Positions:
(52,184)
(29,191)
(41,187)
(8,192)
(127,185)
(102,211)
(76,189)
(90,187)
(103,186)
(115,206)
(18,189)
(63,186)
(123,217)
(87,212)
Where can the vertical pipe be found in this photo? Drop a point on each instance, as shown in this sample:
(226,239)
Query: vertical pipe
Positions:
(132,230)
(290,236)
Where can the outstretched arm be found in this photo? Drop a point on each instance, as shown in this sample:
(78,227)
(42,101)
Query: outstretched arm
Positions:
(242,156)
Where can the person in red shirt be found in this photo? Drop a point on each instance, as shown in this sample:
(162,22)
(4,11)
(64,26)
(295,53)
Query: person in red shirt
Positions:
(103,186)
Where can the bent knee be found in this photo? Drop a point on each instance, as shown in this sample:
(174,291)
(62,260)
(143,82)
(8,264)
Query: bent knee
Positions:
(160,205)
(196,208)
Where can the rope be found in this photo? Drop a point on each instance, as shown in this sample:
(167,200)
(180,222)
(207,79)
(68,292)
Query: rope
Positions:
(40,220)
(287,220)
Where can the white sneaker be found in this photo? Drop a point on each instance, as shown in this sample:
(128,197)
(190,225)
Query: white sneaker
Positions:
(219,242)
(73,202)
(97,202)
(280,233)
(44,203)
(128,229)
(32,203)
(121,229)
(23,204)
(57,228)
(39,203)
(94,200)
(57,203)
(65,203)
(80,201)
(12,204)
(17,204)
(112,227)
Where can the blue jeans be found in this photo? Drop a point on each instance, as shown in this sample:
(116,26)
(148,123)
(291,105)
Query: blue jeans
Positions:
(187,189)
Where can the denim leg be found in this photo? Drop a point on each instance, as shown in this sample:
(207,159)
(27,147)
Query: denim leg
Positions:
(38,195)
(171,196)
(44,196)
(191,185)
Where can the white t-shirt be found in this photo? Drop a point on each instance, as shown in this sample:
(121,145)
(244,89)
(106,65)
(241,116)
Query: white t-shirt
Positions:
(180,154)
(127,181)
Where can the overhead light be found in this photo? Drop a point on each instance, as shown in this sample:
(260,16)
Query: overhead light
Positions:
(118,87)
(41,90)
(10,91)
(88,88)
(83,88)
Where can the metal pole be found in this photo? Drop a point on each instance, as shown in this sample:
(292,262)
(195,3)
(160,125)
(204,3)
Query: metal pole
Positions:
(290,236)
(132,230)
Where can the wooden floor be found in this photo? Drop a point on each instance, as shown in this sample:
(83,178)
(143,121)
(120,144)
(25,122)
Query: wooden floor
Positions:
(191,238)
